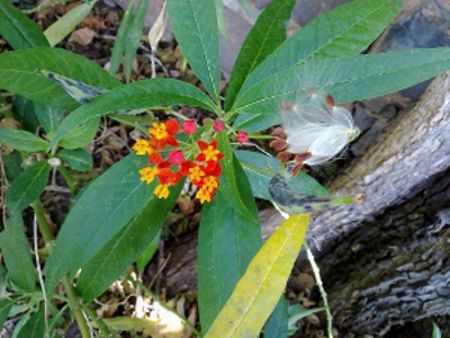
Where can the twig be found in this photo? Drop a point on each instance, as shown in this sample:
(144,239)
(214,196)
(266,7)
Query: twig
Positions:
(319,283)
(41,279)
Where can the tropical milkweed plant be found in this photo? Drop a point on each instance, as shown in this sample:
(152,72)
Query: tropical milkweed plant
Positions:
(116,218)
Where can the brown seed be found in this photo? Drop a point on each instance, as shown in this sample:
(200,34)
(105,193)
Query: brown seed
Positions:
(278,144)
(297,169)
(279,132)
(286,106)
(300,158)
(330,101)
(284,156)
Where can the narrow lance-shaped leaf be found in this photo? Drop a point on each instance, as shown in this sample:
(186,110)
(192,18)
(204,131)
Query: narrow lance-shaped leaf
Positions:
(114,257)
(136,95)
(227,243)
(134,33)
(22,140)
(97,217)
(228,180)
(28,186)
(266,35)
(346,79)
(16,254)
(20,73)
(259,290)
(358,22)
(16,28)
(121,37)
(64,25)
(194,24)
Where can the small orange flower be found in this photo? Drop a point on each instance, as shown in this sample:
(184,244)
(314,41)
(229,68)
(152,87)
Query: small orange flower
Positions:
(164,133)
(142,147)
(209,152)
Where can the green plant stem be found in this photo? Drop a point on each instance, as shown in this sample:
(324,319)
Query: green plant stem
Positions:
(75,305)
(168,308)
(100,323)
(44,228)
(69,179)
(74,301)
(319,284)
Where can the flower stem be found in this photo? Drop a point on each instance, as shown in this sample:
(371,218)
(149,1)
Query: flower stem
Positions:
(75,305)
(69,179)
(319,284)
(74,301)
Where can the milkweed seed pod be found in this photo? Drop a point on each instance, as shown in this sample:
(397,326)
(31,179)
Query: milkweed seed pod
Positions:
(321,131)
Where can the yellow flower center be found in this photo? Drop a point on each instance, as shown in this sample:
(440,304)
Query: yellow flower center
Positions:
(195,173)
(161,191)
(203,196)
(148,174)
(142,146)
(211,153)
(159,131)
(210,183)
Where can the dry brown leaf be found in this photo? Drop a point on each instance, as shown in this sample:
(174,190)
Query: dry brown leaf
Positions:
(93,21)
(82,36)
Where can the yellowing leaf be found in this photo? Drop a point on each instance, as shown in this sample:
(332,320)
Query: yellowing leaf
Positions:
(129,323)
(259,290)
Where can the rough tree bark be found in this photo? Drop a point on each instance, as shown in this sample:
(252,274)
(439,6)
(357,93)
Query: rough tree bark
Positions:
(383,262)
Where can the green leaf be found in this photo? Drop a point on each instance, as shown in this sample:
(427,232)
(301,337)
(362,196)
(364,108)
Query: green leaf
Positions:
(266,35)
(16,253)
(24,112)
(221,23)
(147,255)
(232,178)
(96,217)
(22,140)
(259,290)
(136,95)
(16,28)
(227,243)
(245,5)
(49,117)
(436,331)
(296,313)
(79,91)
(13,165)
(61,28)
(20,73)
(346,30)
(260,170)
(194,24)
(277,325)
(346,79)
(121,38)
(81,135)
(134,33)
(77,159)
(28,186)
(5,307)
(34,326)
(115,256)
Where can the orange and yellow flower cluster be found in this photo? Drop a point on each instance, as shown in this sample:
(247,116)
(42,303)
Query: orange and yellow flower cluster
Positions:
(203,171)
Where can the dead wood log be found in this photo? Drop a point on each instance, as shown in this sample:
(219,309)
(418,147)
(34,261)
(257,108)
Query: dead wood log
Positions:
(383,262)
